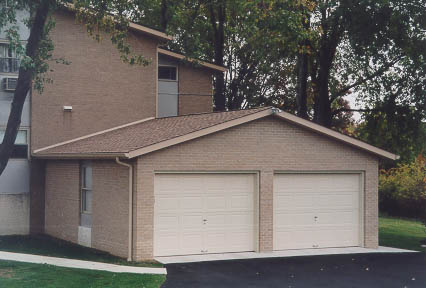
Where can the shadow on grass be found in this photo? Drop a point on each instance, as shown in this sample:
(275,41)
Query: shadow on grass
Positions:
(48,246)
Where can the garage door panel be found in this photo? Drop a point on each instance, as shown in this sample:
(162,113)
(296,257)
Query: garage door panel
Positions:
(190,203)
(293,219)
(339,200)
(167,222)
(241,202)
(316,210)
(294,239)
(294,201)
(203,213)
(215,203)
(347,237)
(337,218)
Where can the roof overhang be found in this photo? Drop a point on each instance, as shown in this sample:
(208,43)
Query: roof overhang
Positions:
(182,57)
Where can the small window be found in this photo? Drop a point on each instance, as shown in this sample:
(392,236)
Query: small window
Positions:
(9,62)
(20,149)
(167,73)
(86,188)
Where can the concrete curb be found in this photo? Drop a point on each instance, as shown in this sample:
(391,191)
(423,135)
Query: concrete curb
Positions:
(79,264)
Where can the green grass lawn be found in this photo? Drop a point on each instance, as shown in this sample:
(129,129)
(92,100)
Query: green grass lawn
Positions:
(401,233)
(49,246)
(27,275)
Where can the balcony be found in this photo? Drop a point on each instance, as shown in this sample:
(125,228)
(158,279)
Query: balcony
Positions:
(9,65)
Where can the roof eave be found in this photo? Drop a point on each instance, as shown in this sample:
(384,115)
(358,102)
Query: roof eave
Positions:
(202,63)
(53,156)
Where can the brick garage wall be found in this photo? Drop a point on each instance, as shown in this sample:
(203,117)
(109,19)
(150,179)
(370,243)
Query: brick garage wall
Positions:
(195,90)
(104,91)
(109,204)
(110,207)
(62,199)
(266,145)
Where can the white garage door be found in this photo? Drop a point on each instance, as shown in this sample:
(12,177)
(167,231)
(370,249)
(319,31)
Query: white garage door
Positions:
(316,210)
(203,213)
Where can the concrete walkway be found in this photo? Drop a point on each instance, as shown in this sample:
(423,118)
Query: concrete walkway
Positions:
(274,254)
(79,264)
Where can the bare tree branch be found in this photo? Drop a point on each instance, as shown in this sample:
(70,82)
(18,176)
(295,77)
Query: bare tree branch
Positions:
(363,80)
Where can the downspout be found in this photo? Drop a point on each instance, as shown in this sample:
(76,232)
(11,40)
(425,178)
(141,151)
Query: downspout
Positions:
(130,244)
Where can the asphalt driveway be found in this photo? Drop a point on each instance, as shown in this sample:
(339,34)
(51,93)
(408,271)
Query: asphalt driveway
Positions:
(354,270)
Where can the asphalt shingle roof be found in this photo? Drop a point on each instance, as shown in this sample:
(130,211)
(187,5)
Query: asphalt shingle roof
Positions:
(140,135)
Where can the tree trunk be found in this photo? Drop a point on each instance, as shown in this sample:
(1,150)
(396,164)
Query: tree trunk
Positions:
(219,46)
(164,17)
(24,83)
(302,71)
(302,81)
(322,105)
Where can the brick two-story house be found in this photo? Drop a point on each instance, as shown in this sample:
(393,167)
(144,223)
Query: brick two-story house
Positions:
(132,160)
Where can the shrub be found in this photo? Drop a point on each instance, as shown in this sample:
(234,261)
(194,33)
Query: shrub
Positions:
(402,190)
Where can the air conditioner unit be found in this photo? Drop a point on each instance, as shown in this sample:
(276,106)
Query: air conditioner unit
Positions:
(9,84)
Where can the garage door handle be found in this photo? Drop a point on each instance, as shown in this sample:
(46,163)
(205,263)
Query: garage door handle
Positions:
(204,221)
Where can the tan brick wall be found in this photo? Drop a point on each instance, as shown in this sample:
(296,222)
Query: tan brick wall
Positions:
(266,145)
(104,91)
(109,204)
(195,90)
(62,199)
(110,207)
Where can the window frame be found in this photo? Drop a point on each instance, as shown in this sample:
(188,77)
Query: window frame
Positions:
(168,66)
(13,57)
(27,143)
(84,165)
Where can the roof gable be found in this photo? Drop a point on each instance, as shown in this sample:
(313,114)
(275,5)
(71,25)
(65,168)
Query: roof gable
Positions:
(148,135)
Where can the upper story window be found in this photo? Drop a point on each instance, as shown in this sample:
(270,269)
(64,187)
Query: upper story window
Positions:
(9,62)
(167,73)
(20,149)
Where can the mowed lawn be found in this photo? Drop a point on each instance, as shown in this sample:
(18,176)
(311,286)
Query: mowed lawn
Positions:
(401,233)
(27,275)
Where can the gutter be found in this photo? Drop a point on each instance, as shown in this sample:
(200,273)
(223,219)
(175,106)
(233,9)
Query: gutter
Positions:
(130,242)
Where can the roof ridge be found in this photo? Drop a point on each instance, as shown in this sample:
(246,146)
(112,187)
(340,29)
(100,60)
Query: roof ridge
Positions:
(93,134)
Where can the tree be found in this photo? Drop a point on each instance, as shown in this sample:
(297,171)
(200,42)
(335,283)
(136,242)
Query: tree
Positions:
(360,46)
(99,17)
(252,38)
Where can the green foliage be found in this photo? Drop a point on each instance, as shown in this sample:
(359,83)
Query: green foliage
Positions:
(402,190)
(259,36)
(400,129)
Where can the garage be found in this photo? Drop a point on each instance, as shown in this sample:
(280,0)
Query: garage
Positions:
(197,213)
(254,180)
(317,210)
